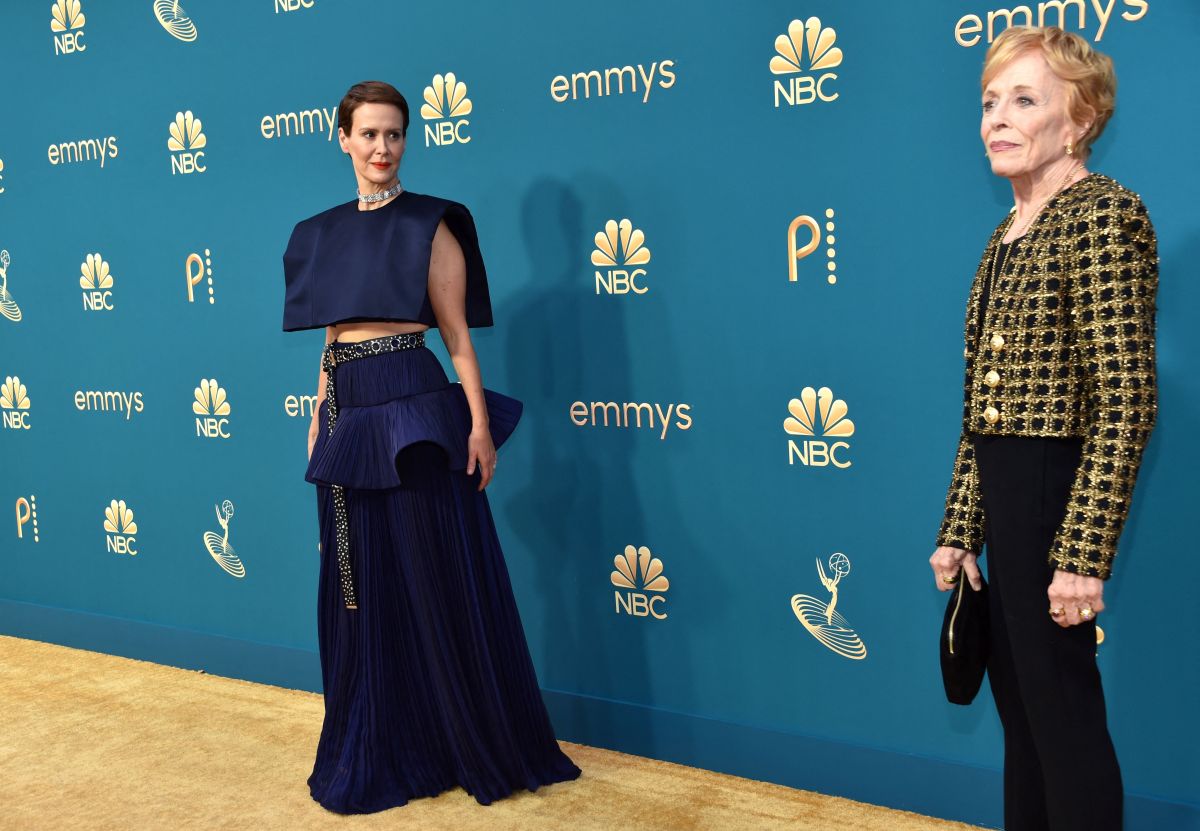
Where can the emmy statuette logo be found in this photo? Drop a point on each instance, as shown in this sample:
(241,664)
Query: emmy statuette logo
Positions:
(96,282)
(815,417)
(807,230)
(195,269)
(218,545)
(640,584)
(174,19)
(446,107)
(621,251)
(119,528)
(14,404)
(211,406)
(186,141)
(822,620)
(66,22)
(27,515)
(8,306)
(807,38)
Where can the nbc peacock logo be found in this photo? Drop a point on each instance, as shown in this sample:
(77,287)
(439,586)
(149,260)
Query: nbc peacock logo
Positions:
(822,619)
(96,280)
(174,19)
(14,404)
(8,306)
(446,109)
(816,418)
(186,141)
(640,583)
(120,529)
(211,407)
(619,257)
(805,39)
(218,545)
(1,175)
(66,25)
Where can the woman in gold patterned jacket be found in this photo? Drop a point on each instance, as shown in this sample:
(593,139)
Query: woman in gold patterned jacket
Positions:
(1059,403)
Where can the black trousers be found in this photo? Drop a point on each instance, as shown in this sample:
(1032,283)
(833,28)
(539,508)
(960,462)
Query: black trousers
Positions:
(1060,769)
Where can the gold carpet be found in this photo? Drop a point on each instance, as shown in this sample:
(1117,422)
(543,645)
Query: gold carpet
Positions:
(93,741)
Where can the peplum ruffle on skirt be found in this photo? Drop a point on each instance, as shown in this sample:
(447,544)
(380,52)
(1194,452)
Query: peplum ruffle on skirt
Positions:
(379,415)
(428,683)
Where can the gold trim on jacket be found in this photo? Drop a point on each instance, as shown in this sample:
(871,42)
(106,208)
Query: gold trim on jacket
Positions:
(1065,348)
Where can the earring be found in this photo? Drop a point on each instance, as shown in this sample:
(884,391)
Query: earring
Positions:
(1070,149)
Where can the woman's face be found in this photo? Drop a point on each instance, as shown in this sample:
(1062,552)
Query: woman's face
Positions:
(375,142)
(1025,126)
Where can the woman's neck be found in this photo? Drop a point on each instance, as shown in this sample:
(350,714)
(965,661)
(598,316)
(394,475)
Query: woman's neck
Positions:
(1033,190)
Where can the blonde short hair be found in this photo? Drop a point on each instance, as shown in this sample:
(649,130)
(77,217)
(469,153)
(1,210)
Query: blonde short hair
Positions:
(1089,75)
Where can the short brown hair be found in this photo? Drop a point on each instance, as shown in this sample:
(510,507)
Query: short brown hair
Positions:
(370,92)
(1088,73)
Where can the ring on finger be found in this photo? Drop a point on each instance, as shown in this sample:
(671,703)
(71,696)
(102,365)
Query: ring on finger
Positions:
(951,578)
(1057,612)
(1086,613)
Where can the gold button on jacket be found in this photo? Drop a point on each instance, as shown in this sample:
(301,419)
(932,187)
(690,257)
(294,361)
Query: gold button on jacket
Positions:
(1069,331)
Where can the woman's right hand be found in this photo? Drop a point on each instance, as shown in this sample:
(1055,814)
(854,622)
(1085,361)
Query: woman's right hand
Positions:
(948,561)
(312,437)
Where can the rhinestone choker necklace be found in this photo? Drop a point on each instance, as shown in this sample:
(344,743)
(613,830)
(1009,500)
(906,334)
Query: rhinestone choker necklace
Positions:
(382,195)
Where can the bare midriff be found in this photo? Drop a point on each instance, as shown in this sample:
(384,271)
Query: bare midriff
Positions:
(367,329)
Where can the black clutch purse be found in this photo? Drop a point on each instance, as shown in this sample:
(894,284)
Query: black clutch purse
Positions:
(964,644)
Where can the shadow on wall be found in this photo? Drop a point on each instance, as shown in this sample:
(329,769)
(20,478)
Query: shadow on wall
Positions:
(579,507)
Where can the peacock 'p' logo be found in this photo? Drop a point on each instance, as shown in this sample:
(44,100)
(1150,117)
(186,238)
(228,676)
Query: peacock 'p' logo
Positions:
(801,38)
(66,15)
(447,106)
(820,423)
(619,257)
(640,574)
(805,53)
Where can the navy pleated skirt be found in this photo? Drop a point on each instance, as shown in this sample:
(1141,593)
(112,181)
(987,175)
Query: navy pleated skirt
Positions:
(428,683)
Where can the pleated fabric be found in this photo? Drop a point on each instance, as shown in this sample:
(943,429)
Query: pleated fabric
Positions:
(428,683)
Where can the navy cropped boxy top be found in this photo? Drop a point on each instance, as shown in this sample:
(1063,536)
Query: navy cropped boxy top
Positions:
(346,265)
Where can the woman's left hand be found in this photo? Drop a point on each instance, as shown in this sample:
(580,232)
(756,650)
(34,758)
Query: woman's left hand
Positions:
(1072,593)
(481,452)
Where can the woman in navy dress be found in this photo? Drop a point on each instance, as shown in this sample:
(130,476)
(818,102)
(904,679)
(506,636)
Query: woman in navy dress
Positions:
(427,677)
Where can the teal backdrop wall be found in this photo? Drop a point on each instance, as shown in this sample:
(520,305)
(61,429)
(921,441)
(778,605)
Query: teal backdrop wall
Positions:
(687,130)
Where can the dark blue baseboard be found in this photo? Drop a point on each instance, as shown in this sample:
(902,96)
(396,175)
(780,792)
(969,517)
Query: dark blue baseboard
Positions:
(882,777)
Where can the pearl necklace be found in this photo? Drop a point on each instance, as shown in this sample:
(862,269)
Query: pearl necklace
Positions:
(381,195)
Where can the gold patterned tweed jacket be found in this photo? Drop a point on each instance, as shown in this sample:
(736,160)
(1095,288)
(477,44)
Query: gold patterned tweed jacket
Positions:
(1065,348)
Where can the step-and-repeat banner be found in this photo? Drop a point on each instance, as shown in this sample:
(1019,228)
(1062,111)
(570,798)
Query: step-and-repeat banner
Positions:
(729,250)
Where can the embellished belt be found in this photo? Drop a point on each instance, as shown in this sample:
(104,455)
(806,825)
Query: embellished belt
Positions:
(336,353)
